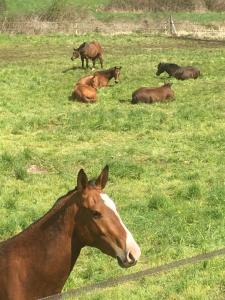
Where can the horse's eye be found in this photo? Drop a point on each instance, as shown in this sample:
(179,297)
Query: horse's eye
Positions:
(96,214)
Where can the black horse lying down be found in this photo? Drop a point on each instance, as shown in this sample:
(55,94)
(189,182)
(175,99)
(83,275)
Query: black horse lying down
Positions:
(177,71)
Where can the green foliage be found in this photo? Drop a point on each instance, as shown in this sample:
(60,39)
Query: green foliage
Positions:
(166,160)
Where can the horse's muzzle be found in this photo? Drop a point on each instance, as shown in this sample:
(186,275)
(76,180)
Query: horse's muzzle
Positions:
(125,263)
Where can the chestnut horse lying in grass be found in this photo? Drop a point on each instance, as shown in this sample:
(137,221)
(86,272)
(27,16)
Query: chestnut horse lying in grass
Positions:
(86,51)
(151,95)
(84,93)
(84,90)
(102,78)
(178,72)
(37,262)
(86,80)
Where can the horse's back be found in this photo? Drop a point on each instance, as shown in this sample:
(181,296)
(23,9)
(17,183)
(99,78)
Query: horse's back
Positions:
(98,46)
(187,72)
(86,80)
(150,95)
(92,49)
(143,94)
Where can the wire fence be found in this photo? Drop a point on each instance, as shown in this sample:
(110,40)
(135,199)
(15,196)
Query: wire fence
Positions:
(164,27)
(74,293)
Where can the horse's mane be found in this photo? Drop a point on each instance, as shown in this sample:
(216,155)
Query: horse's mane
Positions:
(104,71)
(171,65)
(81,46)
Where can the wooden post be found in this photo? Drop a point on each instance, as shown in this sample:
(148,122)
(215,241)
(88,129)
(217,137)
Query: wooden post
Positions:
(173,30)
(76,28)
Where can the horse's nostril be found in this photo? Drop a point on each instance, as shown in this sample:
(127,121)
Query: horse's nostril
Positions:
(131,258)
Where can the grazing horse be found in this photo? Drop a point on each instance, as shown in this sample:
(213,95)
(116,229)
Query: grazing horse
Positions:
(37,262)
(177,71)
(151,95)
(84,93)
(86,51)
(102,78)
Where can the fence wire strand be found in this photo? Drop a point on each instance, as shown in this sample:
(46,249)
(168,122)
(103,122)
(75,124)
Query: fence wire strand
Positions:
(136,276)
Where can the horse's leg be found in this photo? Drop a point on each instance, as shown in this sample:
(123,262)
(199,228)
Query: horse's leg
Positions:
(86,62)
(93,63)
(82,61)
(101,61)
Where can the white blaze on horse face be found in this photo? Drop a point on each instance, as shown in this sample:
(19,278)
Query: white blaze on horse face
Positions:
(131,245)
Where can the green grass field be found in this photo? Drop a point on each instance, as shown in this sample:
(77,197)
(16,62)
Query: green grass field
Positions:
(166,160)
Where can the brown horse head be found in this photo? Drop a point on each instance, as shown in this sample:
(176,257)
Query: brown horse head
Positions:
(116,71)
(98,223)
(75,54)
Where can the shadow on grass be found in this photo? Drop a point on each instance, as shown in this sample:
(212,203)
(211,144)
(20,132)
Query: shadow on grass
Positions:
(72,68)
(125,101)
(201,40)
(71,98)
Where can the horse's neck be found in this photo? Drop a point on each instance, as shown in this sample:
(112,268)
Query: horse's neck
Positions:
(53,237)
(108,74)
(174,67)
(60,220)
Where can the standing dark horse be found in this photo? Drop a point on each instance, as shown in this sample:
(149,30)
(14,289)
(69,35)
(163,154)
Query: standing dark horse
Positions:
(102,78)
(86,51)
(177,71)
(37,262)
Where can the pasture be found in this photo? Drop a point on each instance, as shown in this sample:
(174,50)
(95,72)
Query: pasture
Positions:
(166,160)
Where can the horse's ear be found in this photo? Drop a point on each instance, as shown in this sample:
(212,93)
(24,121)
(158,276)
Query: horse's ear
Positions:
(103,177)
(82,180)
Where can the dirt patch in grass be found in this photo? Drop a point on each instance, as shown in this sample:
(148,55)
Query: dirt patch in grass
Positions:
(31,52)
(34,169)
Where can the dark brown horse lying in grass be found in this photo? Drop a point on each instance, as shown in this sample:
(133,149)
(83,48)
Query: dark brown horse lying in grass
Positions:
(151,95)
(86,51)
(102,78)
(37,262)
(177,71)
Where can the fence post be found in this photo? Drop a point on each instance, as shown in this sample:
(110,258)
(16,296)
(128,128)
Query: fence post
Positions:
(173,30)
(76,28)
